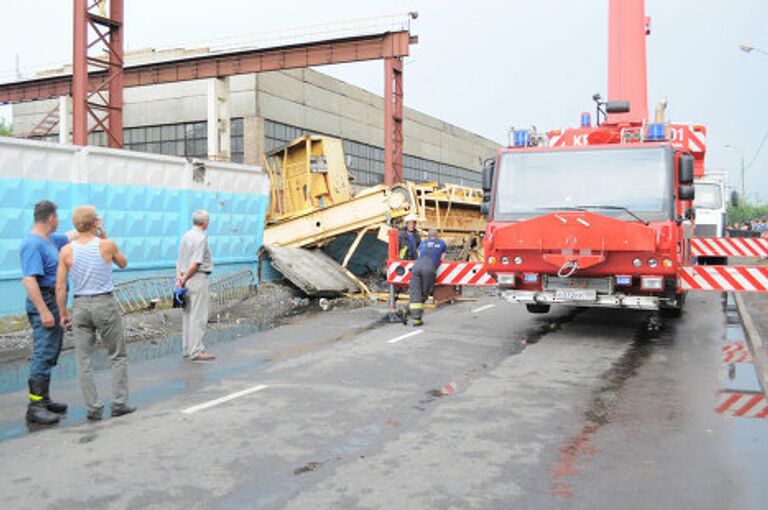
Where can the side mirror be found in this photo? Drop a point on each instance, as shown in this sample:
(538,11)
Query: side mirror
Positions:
(488,170)
(685,169)
(686,192)
(617,106)
(735,198)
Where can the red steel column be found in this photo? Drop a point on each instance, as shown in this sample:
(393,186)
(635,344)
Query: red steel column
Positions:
(627,78)
(393,120)
(80,74)
(115,120)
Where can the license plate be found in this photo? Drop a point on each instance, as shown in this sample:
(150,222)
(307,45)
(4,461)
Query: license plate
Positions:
(576,295)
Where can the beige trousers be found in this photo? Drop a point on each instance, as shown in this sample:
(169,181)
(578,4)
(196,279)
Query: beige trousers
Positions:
(195,315)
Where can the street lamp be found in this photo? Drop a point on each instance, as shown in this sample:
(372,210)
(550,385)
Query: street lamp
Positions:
(748,48)
(741,153)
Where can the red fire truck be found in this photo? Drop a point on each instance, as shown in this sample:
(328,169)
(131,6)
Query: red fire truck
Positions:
(601,215)
(598,215)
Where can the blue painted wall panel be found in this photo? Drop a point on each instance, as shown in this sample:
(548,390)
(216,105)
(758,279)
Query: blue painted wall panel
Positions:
(145,222)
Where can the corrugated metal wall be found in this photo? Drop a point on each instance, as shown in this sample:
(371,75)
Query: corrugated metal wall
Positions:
(146,202)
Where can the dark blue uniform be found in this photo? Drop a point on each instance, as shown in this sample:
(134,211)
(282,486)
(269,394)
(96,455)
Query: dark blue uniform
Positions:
(423,275)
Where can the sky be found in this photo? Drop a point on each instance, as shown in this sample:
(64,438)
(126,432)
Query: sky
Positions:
(484,65)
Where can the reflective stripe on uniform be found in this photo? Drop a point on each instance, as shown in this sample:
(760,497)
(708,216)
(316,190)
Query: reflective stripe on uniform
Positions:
(35,398)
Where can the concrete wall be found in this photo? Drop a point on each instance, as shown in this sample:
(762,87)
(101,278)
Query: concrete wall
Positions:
(303,98)
(146,202)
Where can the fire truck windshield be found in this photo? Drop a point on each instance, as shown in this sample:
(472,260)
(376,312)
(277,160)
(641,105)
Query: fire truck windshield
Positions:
(635,180)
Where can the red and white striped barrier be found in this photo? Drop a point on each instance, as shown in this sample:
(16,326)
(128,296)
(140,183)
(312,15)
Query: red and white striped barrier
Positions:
(725,278)
(741,404)
(736,352)
(449,273)
(729,247)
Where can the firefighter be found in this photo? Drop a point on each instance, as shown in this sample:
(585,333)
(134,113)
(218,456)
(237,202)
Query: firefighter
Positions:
(431,253)
(408,239)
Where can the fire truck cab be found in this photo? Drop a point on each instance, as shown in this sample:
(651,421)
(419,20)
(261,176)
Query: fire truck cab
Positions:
(598,225)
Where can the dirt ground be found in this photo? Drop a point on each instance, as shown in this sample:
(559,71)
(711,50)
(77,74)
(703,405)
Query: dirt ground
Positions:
(271,302)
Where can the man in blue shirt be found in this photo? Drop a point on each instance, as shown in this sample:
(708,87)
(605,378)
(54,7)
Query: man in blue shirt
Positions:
(431,253)
(39,262)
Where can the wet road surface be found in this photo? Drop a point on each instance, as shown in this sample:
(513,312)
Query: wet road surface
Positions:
(485,407)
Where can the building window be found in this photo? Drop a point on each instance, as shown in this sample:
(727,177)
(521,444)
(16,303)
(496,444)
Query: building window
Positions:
(366,162)
(187,139)
(236,140)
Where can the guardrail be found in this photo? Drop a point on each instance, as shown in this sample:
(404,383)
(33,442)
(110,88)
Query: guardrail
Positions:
(153,292)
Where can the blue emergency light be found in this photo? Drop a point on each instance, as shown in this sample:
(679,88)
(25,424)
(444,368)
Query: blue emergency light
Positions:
(586,119)
(656,133)
(623,280)
(521,138)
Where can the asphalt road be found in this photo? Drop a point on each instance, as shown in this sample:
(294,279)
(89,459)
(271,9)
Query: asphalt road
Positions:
(486,406)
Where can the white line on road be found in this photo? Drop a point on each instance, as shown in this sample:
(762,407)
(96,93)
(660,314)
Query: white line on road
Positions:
(407,335)
(226,398)
(486,307)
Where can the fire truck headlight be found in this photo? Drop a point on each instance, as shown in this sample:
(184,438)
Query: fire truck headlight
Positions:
(530,277)
(624,280)
(637,262)
(651,283)
(652,263)
(505,261)
(505,279)
(667,263)
(518,260)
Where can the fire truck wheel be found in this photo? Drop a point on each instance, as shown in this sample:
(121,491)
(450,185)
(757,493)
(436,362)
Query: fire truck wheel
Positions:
(671,313)
(537,308)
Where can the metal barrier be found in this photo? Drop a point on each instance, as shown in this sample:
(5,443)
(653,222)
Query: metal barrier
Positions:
(230,290)
(143,294)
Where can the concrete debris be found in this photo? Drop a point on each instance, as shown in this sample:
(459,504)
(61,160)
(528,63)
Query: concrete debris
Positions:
(312,271)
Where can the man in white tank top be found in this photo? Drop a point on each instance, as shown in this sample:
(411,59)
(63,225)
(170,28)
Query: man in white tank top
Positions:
(89,262)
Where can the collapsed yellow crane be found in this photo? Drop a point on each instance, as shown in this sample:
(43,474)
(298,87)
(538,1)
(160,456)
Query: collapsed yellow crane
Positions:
(313,201)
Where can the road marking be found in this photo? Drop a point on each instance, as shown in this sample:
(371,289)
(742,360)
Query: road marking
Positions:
(486,307)
(407,335)
(221,400)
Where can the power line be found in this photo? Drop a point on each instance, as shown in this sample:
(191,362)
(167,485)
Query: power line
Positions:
(757,153)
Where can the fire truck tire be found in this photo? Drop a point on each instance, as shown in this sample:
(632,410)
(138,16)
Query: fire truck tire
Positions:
(671,313)
(537,308)
(676,311)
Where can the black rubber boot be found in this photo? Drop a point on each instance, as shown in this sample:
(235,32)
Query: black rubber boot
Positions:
(54,407)
(36,410)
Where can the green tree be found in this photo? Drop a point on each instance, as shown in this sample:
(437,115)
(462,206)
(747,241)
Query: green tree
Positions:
(745,212)
(5,128)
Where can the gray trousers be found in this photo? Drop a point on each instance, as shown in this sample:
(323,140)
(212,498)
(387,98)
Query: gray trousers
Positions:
(195,317)
(92,314)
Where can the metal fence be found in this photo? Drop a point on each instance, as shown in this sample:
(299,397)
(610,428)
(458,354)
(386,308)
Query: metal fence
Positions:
(144,294)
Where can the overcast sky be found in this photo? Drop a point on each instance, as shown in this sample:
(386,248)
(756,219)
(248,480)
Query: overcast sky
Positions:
(486,65)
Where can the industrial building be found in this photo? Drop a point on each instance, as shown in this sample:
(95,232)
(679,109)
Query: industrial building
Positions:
(266,110)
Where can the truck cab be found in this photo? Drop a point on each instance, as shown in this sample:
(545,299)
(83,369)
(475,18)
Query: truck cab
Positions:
(599,225)
(711,205)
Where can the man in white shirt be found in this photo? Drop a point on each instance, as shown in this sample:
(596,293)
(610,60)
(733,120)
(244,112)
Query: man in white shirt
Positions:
(194,266)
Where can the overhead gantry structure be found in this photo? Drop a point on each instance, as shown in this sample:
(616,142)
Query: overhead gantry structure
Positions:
(97,82)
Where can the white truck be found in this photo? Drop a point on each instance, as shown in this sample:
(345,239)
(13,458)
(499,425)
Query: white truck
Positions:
(711,205)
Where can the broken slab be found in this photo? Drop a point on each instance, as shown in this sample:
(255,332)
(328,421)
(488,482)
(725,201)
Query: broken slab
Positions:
(312,271)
